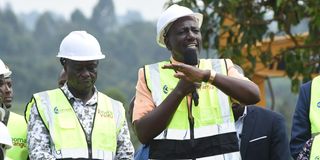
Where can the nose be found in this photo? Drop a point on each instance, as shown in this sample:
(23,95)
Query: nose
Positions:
(85,73)
(191,35)
(8,89)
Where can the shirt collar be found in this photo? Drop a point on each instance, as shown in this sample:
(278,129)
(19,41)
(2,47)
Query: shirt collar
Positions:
(244,113)
(92,101)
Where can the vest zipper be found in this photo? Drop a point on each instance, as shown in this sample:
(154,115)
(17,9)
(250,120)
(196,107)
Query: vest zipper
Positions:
(89,138)
(89,147)
(191,124)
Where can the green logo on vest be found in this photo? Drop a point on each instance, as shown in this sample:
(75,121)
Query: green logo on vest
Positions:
(317,158)
(61,110)
(56,111)
(165,89)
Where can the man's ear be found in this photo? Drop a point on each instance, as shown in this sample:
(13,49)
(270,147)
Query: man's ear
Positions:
(64,64)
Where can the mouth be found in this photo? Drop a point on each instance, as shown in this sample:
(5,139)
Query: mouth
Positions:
(86,82)
(7,99)
(192,46)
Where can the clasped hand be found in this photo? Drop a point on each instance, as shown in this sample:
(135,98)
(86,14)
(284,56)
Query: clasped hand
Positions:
(187,72)
(190,76)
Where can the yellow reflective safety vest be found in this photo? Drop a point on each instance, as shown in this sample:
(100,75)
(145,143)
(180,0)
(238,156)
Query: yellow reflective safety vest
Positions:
(67,134)
(211,134)
(314,111)
(17,127)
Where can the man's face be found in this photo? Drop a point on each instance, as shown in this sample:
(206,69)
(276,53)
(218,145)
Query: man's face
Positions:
(6,91)
(81,75)
(184,37)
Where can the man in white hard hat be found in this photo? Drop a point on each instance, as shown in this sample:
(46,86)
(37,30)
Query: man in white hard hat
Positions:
(182,107)
(6,88)
(5,140)
(77,121)
(15,123)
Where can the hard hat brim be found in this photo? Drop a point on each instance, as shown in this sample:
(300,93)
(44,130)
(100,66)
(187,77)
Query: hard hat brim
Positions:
(83,58)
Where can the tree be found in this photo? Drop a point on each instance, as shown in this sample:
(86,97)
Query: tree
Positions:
(103,17)
(78,18)
(249,27)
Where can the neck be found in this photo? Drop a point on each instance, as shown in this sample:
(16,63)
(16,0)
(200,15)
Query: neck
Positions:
(4,106)
(84,95)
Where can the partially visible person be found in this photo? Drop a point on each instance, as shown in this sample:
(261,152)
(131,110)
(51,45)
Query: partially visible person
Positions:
(77,121)
(5,140)
(182,108)
(305,122)
(62,79)
(15,123)
(262,133)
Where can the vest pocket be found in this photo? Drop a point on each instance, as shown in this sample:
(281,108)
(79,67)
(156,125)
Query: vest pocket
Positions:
(66,122)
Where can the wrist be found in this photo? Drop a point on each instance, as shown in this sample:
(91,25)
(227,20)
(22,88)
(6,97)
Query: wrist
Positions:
(212,76)
(206,76)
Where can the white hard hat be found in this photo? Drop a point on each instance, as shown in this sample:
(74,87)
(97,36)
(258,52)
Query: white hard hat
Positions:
(173,13)
(5,137)
(4,70)
(80,46)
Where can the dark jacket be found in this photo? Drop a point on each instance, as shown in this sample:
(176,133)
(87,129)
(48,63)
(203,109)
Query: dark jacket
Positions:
(264,136)
(301,127)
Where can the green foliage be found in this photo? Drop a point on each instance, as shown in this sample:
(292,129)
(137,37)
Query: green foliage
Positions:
(249,27)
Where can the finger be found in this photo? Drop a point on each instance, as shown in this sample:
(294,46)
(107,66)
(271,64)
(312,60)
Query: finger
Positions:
(179,75)
(177,67)
(168,66)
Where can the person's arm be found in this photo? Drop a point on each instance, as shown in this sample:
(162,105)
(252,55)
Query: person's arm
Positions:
(149,120)
(154,122)
(301,127)
(125,148)
(279,139)
(38,138)
(243,91)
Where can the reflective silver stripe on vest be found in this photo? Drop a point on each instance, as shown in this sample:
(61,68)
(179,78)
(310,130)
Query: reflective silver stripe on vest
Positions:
(46,106)
(223,100)
(116,107)
(156,91)
(200,132)
(83,153)
(155,78)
